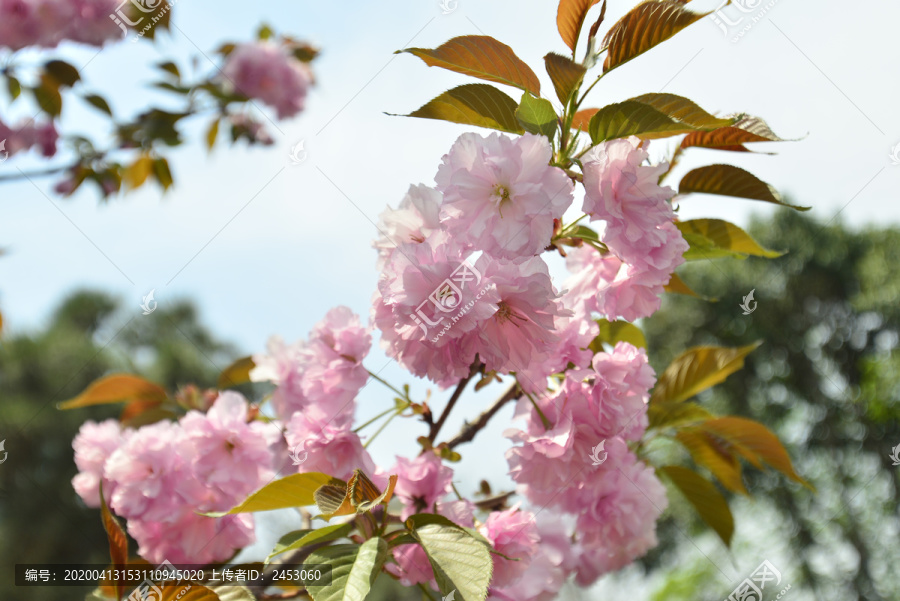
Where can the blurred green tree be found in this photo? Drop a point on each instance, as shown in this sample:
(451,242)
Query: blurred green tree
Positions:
(41,518)
(827,381)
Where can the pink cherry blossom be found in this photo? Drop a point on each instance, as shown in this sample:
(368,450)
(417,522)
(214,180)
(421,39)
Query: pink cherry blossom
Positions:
(93,445)
(46,23)
(622,191)
(500,194)
(267,72)
(513,533)
(26,135)
(191,538)
(417,215)
(322,446)
(421,482)
(230,456)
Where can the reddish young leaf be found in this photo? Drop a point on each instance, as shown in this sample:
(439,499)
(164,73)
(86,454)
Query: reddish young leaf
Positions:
(570,18)
(118,541)
(116,389)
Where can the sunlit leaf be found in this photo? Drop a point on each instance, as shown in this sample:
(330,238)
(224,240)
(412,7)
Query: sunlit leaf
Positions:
(186,592)
(211,134)
(612,332)
(116,389)
(537,116)
(354,569)
(118,541)
(570,18)
(683,110)
(643,27)
(667,415)
(473,104)
(47,96)
(677,286)
(746,129)
(304,538)
(713,238)
(482,57)
(715,455)
(460,561)
(162,173)
(582,119)
(296,490)
(705,498)
(697,369)
(237,373)
(565,74)
(137,173)
(728,180)
(13,86)
(633,118)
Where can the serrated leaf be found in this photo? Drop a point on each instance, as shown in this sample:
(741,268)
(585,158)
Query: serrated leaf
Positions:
(99,103)
(537,116)
(728,180)
(237,373)
(754,442)
(354,569)
(633,118)
(697,369)
(482,57)
(643,27)
(716,456)
(304,538)
(116,389)
(747,129)
(565,74)
(611,332)
(713,238)
(296,490)
(118,541)
(683,110)
(667,415)
(473,104)
(706,499)
(62,72)
(460,561)
(570,18)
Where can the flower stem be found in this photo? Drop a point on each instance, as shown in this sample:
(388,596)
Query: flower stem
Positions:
(386,383)
(380,428)
(375,419)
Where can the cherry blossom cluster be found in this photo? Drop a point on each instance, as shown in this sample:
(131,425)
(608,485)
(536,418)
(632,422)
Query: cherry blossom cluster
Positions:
(27,135)
(266,71)
(46,23)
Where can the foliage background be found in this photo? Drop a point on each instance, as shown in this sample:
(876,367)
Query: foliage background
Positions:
(267,248)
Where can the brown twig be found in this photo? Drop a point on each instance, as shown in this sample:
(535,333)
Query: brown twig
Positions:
(436,427)
(469,431)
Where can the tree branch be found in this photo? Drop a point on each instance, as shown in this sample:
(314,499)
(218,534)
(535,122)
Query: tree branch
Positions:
(40,173)
(469,431)
(436,427)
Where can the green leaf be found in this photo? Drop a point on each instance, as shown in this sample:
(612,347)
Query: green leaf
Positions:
(62,72)
(643,27)
(715,455)
(482,57)
(304,538)
(706,499)
(47,96)
(460,561)
(713,238)
(677,286)
(728,180)
(211,134)
(162,173)
(116,388)
(537,116)
(171,68)
(565,74)
(746,129)
(633,118)
(612,332)
(683,110)
(138,172)
(237,373)
(667,415)
(296,490)
(99,103)
(697,369)
(264,32)
(354,569)
(13,87)
(473,104)
(570,18)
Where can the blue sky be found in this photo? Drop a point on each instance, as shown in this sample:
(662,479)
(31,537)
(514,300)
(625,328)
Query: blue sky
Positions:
(266,247)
